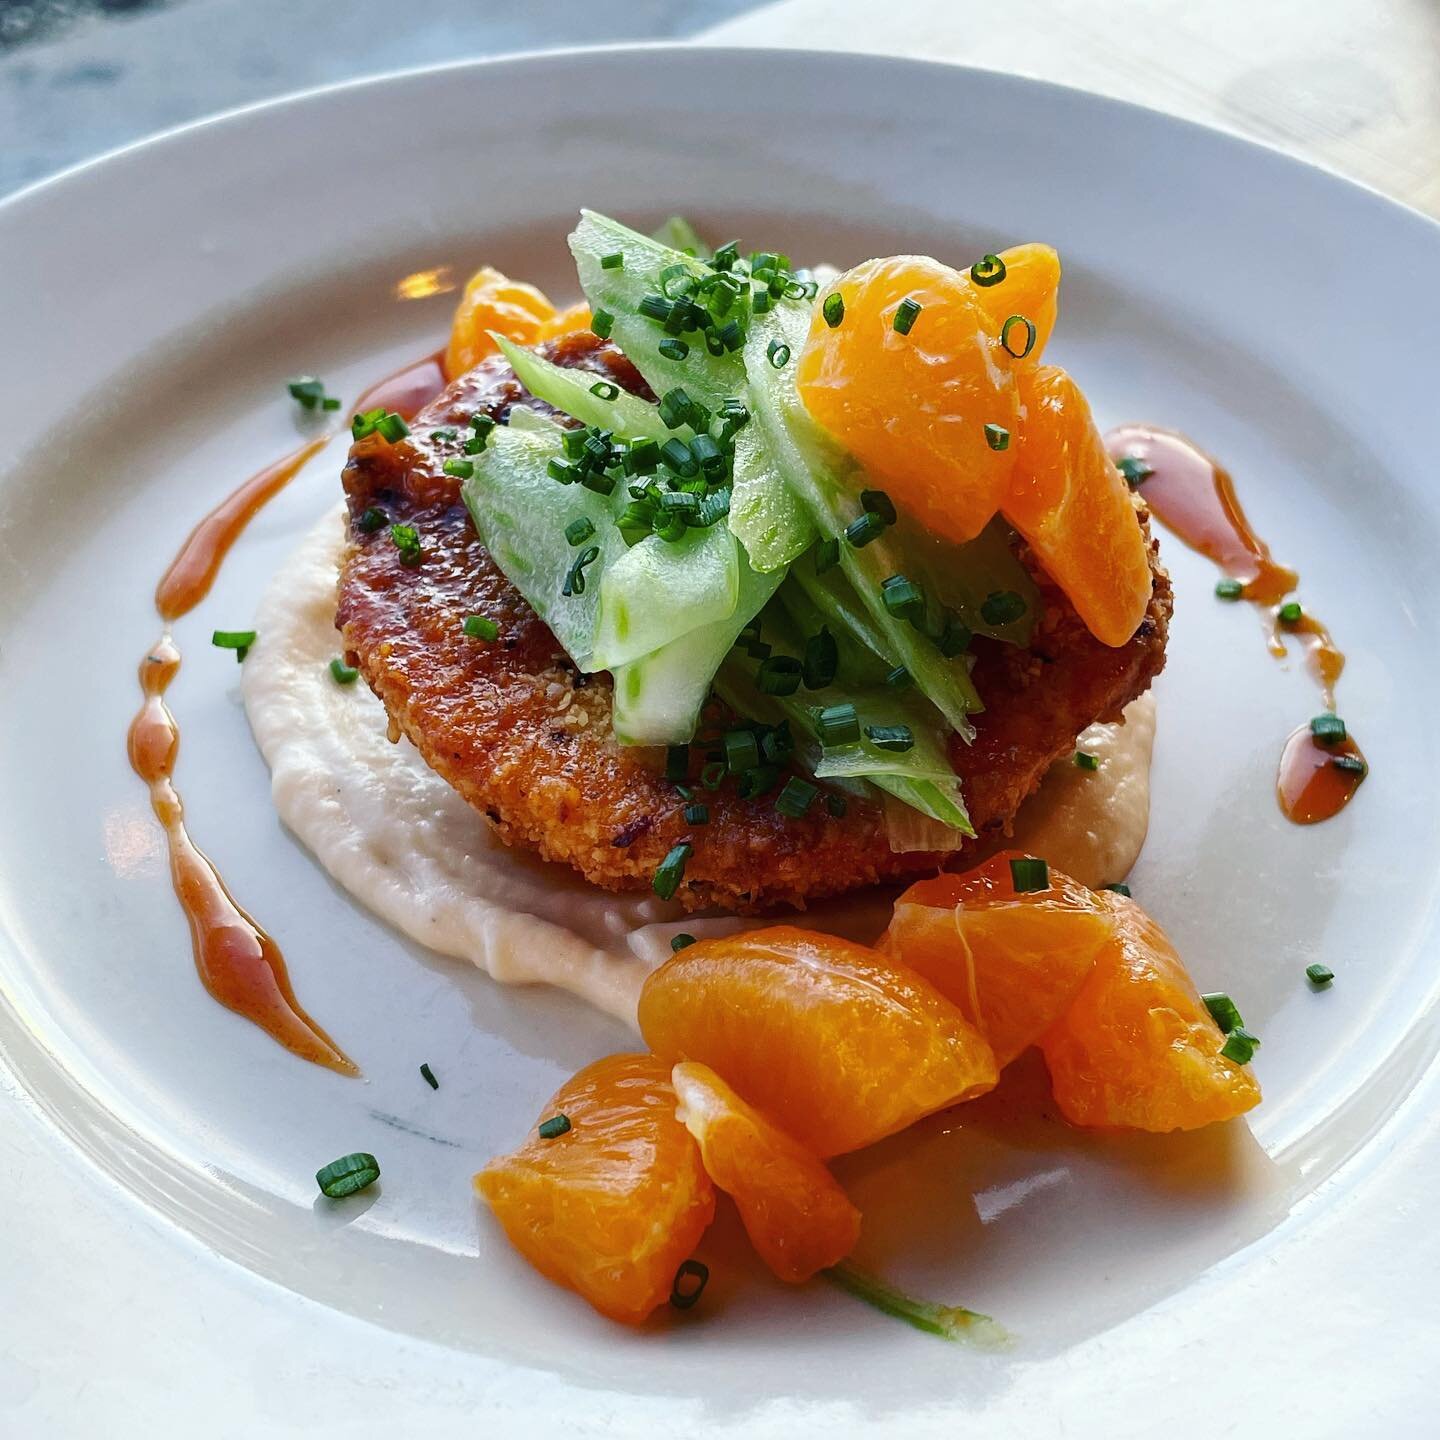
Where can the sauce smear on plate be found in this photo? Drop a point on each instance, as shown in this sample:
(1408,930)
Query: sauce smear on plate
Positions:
(1194,497)
(238,962)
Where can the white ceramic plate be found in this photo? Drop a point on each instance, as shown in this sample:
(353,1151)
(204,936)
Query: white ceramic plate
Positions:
(165,1261)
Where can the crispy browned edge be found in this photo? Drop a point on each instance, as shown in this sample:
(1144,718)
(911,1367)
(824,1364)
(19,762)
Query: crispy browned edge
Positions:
(526,739)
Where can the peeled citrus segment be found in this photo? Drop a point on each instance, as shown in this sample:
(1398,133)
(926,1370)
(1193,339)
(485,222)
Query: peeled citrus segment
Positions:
(611,1206)
(573,317)
(913,408)
(1011,962)
(838,1044)
(517,311)
(796,1215)
(1137,1048)
(1070,502)
(1031,289)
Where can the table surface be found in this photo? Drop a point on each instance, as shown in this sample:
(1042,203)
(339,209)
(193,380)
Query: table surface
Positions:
(1352,84)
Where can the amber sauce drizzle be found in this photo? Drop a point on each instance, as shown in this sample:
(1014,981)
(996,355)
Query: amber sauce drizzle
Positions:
(1194,497)
(238,962)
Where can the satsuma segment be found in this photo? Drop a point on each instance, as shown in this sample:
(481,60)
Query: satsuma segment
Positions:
(913,408)
(573,317)
(1070,502)
(613,1205)
(840,1045)
(795,1213)
(1137,1048)
(492,301)
(1012,962)
(1030,289)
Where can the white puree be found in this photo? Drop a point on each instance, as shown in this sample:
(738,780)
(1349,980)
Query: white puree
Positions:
(403,843)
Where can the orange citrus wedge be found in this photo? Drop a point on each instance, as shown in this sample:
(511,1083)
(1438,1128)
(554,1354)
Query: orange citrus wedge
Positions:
(491,301)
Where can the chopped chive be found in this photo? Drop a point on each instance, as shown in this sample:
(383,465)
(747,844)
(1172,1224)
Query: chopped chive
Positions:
(575,576)
(372,520)
(673,349)
(833,309)
(822,660)
(949,1322)
(1119,887)
(1319,975)
(1087,761)
(895,738)
(899,678)
(878,504)
(997,437)
(955,638)
(460,469)
(1134,470)
(668,874)
(1350,765)
(677,763)
(697,813)
(429,1076)
(1029,875)
(406,539)
(1328,729)
(348,1174)
(988,270)
(778,354)
(579,530)
(837,805)
(742,750)
(554,1127)
(601,323)
(907,312)
(779,675)
(1240,1046)
(827,555)
(796,797)
(308,391)
(712,774)
(680,942)
(392,427)
(689,1284)
(1290,613)
(604,390)
(1002,607)
(446,434)
(1223,1011)
(903,598)
(239,641)
(615,260)
(865,528)
(676,454)
(838,724)
(481,423)
(1229,589)
(1005,330)
(342,673)
(480,627)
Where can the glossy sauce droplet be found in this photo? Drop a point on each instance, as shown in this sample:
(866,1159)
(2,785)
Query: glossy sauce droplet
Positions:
(1312,786)
(409,390)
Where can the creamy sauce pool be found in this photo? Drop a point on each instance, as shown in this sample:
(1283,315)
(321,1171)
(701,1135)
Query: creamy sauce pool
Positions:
(404,844)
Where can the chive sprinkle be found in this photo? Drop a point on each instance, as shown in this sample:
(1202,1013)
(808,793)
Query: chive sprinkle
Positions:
(579,530)
(615,260)
(949,1322)
(677,763)
(778,353)
(406,539)
(1319,975)
(1240,1046)
(239,641)
(372,520)
(863,529)
(604,390)
(822,660)
(833,309)
(779,675)
(1005,330)
(742,750)
(601,323)
(837,805)
(348,1174)
(671,870)
(429,1076)
(342,673)
(878,504)
(575,576)
(897,739)
(1002,607)
(680,942)
(1290,613)
(899,678)
(988,270)
(1134,470)
(1229,589)
(1350,765)
(308,391)
(1119,887)
(997,437)
(1328,729)
(907,312)
(827,555)
(697,813)
(480,627)
(460,469)
(796,797)
(673,349)
(1086,761)
(903,598)
(838,724)
(1028,875)
(1223,1011)
(554,1127)
(689,1284)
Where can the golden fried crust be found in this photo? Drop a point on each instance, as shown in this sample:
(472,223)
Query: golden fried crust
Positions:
(526,739)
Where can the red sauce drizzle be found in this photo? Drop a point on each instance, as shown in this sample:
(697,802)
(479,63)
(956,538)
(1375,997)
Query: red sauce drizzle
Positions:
(1194,497)
(239,964)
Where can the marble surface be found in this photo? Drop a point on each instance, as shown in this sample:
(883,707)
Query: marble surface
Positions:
(79,77)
